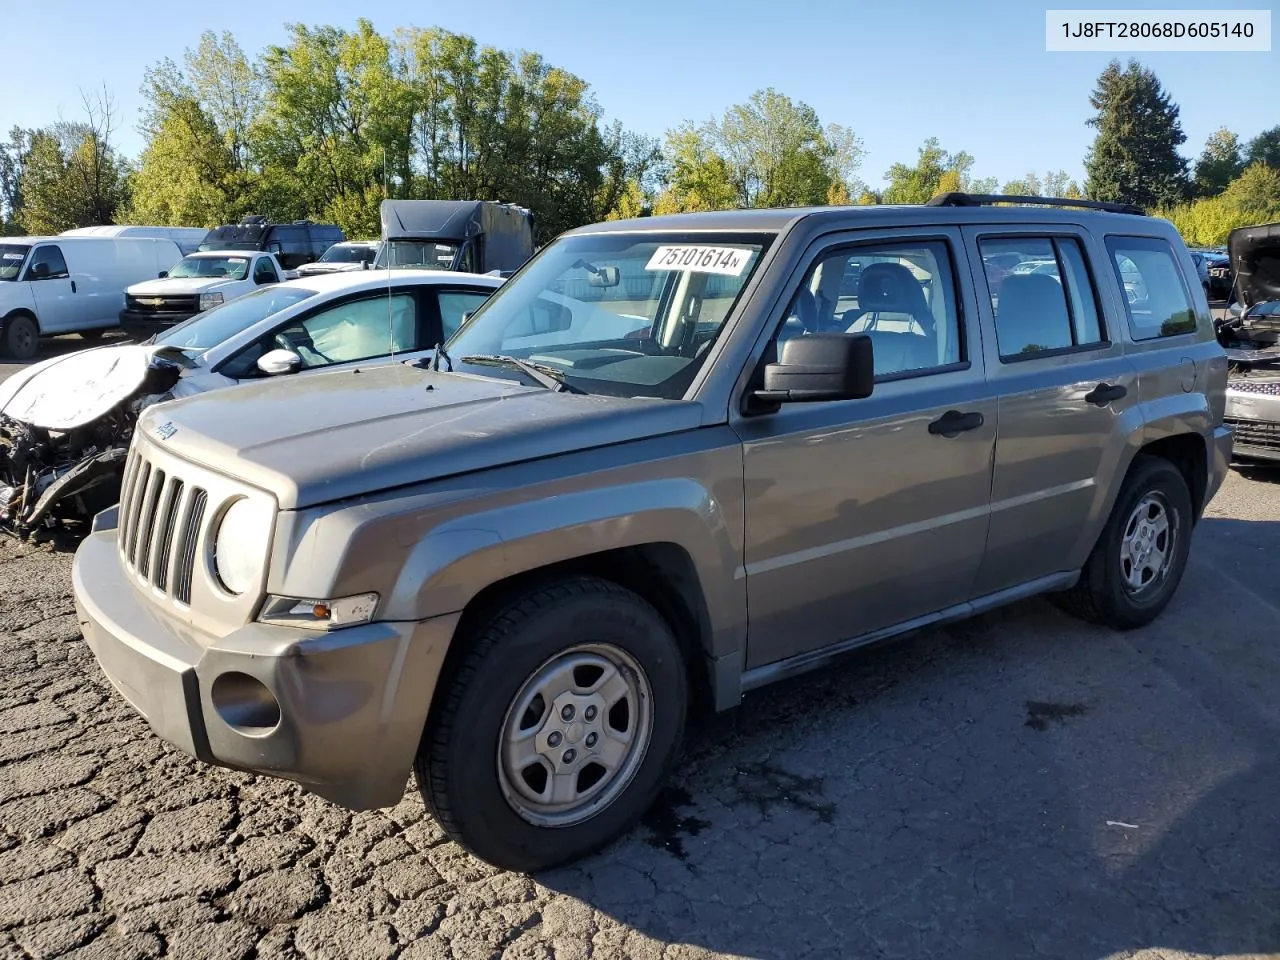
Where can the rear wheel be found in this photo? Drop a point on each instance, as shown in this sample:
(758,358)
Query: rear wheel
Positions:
(1138,562)
(555,733)
(21,336)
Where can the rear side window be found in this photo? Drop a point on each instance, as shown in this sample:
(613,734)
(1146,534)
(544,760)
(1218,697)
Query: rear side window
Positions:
(1156,298)
(1041,294)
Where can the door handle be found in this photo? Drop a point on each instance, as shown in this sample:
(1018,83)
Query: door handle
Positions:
(73,286)
(1104,393)
(953,423)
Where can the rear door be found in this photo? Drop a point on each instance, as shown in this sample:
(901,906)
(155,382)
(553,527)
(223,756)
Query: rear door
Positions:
(1067,395)
(865,514)
(58,306)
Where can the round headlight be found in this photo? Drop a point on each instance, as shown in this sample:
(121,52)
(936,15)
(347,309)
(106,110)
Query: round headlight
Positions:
(240,545)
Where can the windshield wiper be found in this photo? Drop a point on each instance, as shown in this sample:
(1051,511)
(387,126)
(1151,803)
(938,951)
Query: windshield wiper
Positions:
(546,376)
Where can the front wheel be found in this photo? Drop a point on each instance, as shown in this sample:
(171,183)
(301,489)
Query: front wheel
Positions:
(1138,562)
(556,731)
(21,337)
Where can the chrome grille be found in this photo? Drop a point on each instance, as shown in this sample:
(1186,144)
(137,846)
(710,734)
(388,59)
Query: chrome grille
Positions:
(1270,388)
(160,523)
(1256,433)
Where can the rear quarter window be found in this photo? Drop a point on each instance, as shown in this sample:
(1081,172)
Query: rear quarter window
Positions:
(1157,302)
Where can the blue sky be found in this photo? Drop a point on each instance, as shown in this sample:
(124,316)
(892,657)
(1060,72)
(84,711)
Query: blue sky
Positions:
(974,75)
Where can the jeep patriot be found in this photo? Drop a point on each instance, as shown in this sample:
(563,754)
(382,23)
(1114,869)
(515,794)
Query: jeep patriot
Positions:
(671,460)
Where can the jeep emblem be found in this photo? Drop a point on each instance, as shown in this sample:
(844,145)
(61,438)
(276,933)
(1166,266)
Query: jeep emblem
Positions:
(166,430)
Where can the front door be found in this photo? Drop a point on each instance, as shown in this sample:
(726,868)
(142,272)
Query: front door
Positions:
(862,514)
(57,305)
(1066,391)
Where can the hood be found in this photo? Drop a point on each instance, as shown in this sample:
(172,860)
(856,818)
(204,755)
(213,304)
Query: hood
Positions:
(179,285)
(1255,258)
(343,433)
(65,392)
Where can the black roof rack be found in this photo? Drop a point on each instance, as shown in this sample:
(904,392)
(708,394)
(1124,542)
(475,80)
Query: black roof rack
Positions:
(958,198)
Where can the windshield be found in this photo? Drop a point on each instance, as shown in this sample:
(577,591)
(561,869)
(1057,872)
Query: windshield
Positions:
(625,315)
(230,268)
(417,255)
(11,257)
(340,253)
(215,326)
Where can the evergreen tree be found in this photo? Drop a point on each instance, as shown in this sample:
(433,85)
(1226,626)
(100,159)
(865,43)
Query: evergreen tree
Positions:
(1134,157)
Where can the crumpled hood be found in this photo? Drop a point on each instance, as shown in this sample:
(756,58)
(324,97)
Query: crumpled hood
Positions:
(343,433)
(77,388)
(1255,258)
(177,286)
(317,267)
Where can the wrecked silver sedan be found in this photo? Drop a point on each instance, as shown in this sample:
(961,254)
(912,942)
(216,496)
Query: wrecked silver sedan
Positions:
(66,423)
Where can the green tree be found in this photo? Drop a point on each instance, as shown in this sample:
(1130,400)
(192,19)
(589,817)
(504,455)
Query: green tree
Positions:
(918,183)
(1134,157)
(1253,197)
(1265,148)
(12,157)
(71,176)
(1219,164)
(771,151)
(185,174)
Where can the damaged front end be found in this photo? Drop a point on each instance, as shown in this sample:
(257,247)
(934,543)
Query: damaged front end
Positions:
(65,432)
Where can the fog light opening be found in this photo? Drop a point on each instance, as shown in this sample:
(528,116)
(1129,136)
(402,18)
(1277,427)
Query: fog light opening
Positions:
(245,704)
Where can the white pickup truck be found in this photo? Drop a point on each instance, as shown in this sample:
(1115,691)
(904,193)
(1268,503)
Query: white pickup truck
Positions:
(194,284)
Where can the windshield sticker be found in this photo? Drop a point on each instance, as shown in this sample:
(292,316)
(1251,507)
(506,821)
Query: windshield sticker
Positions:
(14,256)
(730,261)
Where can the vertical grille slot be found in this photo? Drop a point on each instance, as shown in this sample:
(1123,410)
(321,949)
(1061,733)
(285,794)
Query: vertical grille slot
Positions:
(137,499)
(126,486)
(147,525)
(164,534)
(187,540)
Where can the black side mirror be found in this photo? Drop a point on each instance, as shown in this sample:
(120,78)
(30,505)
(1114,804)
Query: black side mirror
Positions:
(163,274)
(822,366)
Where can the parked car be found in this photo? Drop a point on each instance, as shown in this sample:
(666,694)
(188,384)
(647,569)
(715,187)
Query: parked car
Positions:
(481,236)
(56,285)
(65,423)
(346,255)
(1214,270)
(196,283)
(1251,335)
(293,243)
(188,239)
(516,568)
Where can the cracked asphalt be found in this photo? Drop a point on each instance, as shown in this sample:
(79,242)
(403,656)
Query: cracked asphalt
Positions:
(1019,785)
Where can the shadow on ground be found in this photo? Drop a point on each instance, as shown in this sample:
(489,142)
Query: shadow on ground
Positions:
(1018,784)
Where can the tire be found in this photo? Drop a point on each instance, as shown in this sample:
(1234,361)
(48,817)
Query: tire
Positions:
(92,335)
(462,766)
(21,336)
(1103,595)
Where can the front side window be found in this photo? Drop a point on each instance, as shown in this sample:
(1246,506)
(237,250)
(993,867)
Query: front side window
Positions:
(1042,295)
(47,263)
(1156,299)
(454,305)
(224,268)
(630,315)
(221,323)
(901,294)
(11,257)
(264,271)
(354,330)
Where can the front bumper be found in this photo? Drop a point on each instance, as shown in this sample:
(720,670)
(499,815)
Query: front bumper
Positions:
(144,325)
(1255,418)
(351,705)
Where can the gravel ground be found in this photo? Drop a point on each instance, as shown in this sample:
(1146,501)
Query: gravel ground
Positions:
(1018,785)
